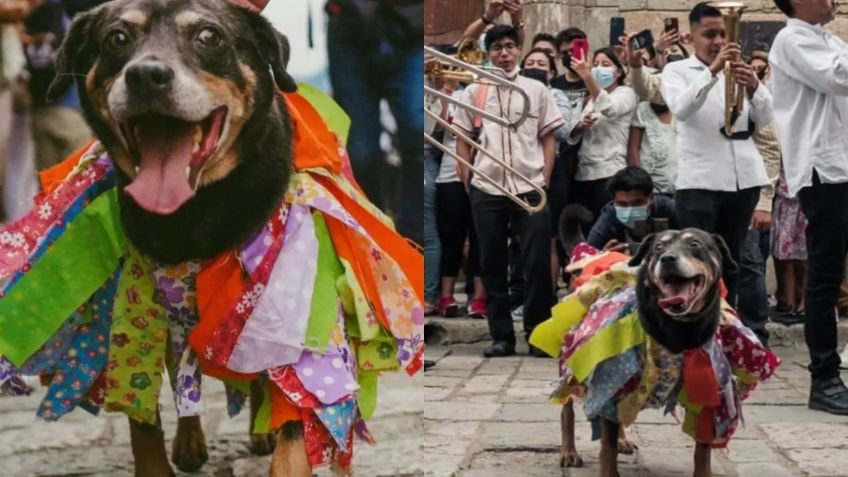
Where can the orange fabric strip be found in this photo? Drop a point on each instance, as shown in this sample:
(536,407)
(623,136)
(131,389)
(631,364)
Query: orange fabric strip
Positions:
(344,248)
(315,145)
(282,410)
(407,257)
(219,285)
(51,178)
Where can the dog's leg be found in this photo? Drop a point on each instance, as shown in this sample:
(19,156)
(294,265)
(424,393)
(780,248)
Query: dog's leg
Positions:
(289,459)
(609,448)
(188,451)
(148,448)
(703,460)
(625,445)
(568,456)
(260,444)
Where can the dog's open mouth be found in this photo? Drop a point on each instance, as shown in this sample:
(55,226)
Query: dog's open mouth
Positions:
(170,155)
(679,293)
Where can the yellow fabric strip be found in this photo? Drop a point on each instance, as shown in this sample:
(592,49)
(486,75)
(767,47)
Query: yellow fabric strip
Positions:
(610,341)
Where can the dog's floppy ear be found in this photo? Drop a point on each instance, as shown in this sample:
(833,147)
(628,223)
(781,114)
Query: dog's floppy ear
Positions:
(727,262)
(77,53)
(644,248)
(273,48)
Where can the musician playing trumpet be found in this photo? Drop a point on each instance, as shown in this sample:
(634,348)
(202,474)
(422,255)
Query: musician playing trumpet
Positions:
(719,174)
(530,149)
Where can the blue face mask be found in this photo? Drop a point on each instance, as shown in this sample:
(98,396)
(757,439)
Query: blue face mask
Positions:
(604,76)
(628,216)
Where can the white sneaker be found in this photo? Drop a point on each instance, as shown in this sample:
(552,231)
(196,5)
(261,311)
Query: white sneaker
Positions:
(518,313)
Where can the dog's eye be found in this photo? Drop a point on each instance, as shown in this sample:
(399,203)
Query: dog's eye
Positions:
(118,39)
(209,37)
(695,244)
(659,247)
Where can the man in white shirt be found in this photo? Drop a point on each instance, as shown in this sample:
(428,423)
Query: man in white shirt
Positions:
(718,177)
(530,148)
(810,81)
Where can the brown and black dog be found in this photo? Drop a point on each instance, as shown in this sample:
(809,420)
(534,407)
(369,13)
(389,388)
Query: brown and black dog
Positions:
(185,97)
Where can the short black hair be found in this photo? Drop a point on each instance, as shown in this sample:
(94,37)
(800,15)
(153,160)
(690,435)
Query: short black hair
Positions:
(551,60)
(786,7)
(568,35)
(613,56)
(543,36)
(499,32)
(631,178)
(701,11)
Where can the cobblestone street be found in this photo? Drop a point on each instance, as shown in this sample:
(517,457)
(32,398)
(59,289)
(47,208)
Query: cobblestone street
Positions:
(491,418)
(81,445)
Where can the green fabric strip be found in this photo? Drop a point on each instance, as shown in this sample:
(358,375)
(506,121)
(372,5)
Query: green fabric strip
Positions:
(324,310)
(74,267)
(368,329)
(262,423)
(379,354)
(610,341)
(337,120)
(367,394)
(137,343)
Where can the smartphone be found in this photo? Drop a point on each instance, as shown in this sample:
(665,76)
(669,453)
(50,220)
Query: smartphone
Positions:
(616,30)
(643,39)
(579,49)
(671,24)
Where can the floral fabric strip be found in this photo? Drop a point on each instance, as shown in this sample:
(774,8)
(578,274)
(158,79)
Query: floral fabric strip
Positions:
(176,291)
(137,343)
(274,334)
(85,358)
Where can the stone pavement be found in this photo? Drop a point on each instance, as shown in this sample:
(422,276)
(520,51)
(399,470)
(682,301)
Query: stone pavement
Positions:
(81,445)
(491,418)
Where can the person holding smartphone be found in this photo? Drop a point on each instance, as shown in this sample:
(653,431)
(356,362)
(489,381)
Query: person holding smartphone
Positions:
(810,80)
(604,127)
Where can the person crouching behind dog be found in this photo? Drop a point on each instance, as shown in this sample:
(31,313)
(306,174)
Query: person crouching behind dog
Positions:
(635,212)
(530,148)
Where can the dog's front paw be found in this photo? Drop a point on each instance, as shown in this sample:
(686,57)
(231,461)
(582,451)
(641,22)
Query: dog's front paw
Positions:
(189,449)
(262,444)
(626,446)
(570,458)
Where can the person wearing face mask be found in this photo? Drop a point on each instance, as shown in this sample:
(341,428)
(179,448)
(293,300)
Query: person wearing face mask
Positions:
(604,127)
(810,82)
(529,148)
(635,211)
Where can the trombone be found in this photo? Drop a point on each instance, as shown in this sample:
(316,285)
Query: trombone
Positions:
(471,73)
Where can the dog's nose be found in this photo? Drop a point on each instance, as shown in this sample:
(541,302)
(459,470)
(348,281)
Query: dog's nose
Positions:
(668,260)
(149,76)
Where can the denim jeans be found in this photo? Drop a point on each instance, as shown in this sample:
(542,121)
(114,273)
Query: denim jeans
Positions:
(362,74)
(432,246)
(752,297)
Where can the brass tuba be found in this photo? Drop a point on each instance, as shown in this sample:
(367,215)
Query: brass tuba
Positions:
(734,94)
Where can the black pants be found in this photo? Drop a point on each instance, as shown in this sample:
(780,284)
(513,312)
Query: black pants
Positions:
(494,216)
(827,244)
(455,224)
(727,214)
(593,195)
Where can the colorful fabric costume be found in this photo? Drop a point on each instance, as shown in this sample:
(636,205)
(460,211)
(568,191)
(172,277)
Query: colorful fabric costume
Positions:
(315,306)
(608,361)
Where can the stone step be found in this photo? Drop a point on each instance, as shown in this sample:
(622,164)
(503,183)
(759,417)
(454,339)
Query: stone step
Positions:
(447,331)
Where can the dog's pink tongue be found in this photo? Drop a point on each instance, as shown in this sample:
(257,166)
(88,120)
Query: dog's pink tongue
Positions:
(161,185)
(671,301)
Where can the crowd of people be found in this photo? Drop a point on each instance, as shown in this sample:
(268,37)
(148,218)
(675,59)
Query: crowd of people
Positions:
(633,141)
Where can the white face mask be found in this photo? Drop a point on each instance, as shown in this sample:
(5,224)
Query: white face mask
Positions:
(604,76)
